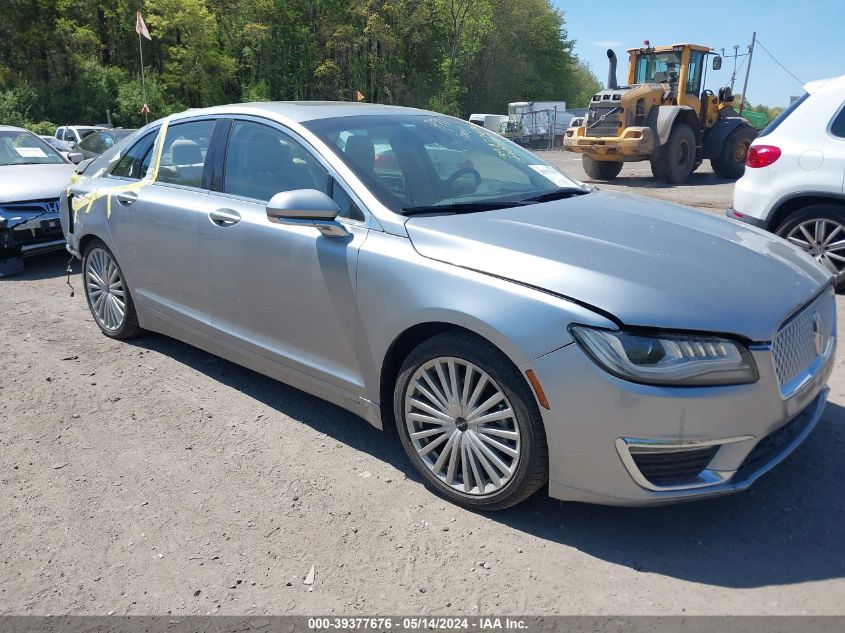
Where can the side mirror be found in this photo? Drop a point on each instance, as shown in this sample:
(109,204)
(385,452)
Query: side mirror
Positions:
(306,207)
(717,62)
(75,157)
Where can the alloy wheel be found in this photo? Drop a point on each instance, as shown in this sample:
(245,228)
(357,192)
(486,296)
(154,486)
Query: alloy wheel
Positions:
(462,426)
(824,239)
(106,290)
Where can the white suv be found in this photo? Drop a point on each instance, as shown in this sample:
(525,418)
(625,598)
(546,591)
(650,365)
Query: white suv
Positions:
(794,182)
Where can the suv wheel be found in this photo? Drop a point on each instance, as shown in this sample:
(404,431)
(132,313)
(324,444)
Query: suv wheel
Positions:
(469,423)
(820,231)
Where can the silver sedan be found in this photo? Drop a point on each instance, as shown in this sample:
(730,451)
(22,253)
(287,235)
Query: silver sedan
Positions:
(518,328)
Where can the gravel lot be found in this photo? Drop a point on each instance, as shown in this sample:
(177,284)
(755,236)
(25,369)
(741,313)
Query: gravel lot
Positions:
(147,477)
(705,190)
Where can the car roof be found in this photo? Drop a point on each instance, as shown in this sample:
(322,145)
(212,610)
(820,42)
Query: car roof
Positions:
(831,84)
(300,111)
(12,128)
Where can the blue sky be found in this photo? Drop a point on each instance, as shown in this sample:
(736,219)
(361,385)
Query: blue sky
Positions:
(808,37)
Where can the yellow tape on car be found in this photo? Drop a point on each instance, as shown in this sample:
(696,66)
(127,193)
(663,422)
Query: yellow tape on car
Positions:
(82,204)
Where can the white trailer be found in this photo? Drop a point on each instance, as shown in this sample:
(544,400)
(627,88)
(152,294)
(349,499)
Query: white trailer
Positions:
(490,121)
(537,123)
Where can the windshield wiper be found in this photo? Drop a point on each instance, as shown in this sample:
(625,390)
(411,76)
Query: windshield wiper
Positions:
(463,207)
(558,194)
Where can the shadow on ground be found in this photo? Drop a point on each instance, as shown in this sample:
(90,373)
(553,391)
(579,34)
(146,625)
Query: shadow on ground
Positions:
(787,529)
(45,266)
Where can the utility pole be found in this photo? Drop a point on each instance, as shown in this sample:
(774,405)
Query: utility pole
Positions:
(735,57)
(748,70)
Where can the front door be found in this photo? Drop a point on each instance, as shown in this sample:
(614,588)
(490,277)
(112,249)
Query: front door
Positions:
(284,292)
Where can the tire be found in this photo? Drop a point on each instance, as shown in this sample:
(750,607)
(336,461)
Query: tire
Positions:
(98,263)
(820,221)
(730,163)
(522,432)
(600,169)
(674,161)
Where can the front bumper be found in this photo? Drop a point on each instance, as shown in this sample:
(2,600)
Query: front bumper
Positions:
(636,143)
(606,434)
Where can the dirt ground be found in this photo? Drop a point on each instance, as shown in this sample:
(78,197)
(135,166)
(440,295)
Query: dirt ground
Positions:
(148,477)
(704,190)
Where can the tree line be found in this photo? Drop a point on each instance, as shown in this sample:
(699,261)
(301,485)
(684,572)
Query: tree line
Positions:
(69,61)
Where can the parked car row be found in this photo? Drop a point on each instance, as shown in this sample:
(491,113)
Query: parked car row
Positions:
(34,171)
(519,328)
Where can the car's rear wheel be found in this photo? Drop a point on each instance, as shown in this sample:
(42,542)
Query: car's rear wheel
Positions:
(107,293)
(820,231)
(469,422)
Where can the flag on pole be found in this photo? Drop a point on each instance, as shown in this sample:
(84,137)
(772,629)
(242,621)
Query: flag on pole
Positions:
(359,96)
(141,27)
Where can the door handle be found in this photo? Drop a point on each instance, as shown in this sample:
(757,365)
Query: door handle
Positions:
(127,197)
(224,217)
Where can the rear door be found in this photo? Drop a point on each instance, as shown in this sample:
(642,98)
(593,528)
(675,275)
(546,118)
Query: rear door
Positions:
(157,226)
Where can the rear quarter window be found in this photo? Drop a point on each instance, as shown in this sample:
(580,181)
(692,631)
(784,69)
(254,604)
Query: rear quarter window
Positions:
(837,127)
(783,116)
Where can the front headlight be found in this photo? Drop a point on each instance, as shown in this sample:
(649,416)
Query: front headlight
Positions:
(667,359)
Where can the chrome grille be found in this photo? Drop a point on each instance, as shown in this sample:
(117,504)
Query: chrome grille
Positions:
(34,206)
(609,125)
(803,338)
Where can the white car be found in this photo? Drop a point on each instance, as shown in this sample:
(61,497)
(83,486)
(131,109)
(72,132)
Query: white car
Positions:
(794,182)
(74,134)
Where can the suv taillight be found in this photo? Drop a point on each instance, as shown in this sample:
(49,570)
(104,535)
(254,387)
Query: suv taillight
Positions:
(762,155)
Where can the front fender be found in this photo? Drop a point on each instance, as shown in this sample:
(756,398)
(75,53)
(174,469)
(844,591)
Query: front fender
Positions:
(715,137)
(661,120)
(398,288)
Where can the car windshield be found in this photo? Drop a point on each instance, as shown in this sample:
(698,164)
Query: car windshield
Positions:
(25,148)
(657,67)
(420,161)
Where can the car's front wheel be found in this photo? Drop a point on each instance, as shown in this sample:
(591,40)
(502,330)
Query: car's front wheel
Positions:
(819,229)
(107,293)
(469,422)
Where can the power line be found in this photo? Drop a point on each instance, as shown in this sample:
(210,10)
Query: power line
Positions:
(778,63)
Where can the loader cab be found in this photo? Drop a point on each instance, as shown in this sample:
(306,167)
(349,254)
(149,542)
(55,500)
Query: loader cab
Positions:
(681,66)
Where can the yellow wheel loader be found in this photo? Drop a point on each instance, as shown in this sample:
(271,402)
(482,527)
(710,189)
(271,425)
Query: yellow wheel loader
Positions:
(663,116)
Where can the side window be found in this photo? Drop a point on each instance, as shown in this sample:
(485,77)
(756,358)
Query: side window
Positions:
(60,134)
(183,153)
(136,160)
(348,208)
(696,60)
(837,128)
(262,161)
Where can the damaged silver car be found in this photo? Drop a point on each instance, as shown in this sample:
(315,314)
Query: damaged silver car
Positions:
(520,329)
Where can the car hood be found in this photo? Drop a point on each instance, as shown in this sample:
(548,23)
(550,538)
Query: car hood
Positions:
(647,263)
(21,183)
